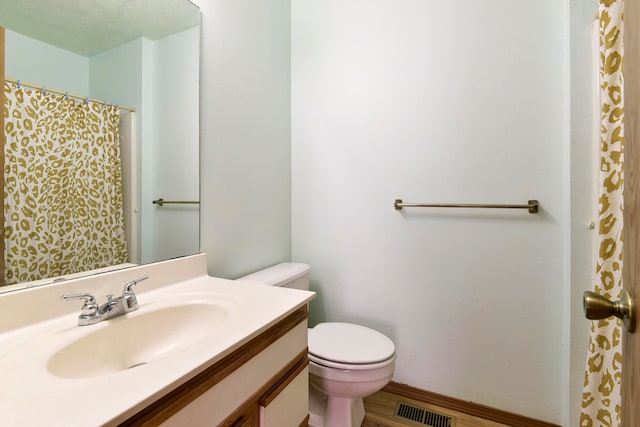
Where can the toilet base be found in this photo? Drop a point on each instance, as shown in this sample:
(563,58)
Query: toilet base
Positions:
(340,409)
(328,411)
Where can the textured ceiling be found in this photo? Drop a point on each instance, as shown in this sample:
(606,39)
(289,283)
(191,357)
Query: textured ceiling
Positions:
(87,27)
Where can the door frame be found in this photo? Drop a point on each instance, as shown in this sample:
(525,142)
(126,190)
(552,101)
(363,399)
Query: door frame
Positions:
(2,142)
(631,212)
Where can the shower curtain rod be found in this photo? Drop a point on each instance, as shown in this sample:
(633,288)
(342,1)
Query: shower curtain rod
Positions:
(59,92)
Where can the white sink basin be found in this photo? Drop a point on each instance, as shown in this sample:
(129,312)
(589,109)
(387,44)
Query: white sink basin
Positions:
(136,339)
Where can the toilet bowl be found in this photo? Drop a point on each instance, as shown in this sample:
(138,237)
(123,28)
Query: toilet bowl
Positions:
(346,361)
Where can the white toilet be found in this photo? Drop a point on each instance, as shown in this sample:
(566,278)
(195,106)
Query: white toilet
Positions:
(346,362)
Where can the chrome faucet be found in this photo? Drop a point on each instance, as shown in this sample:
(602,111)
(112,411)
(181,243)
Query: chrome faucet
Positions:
(93,313)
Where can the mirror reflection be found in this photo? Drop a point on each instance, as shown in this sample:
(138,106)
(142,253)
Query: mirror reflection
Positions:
(101,119)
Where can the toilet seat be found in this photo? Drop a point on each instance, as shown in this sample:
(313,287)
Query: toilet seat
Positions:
(347,346)
(352,366)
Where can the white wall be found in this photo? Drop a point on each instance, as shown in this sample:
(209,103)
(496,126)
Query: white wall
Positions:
(245,130)
(174,155)
(389,102)
(452,101)
(40,63)
(160,79)
(116,76)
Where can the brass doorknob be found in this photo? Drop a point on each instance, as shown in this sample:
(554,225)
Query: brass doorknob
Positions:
(598,307)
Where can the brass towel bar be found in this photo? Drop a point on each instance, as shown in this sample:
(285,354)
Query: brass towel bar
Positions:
(161,202)
(533,205)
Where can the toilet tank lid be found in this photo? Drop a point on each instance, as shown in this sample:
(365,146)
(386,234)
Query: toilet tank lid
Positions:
(279,274)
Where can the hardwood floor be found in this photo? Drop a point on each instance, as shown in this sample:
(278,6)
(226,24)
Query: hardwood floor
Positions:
(380,407)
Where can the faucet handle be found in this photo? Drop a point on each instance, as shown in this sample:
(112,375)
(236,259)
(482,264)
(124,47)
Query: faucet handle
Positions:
(129,300)
(128,288)
(90,304)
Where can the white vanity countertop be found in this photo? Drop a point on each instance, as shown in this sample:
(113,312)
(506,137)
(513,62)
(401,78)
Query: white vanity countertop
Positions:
(31,395)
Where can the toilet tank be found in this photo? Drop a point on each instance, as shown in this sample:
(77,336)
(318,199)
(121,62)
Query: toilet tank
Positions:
(292,275)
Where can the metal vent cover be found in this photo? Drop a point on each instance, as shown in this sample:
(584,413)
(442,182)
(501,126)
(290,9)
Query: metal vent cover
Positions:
(422,416)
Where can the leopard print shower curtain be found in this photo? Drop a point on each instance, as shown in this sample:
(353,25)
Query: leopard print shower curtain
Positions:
(601,395)
(63,186)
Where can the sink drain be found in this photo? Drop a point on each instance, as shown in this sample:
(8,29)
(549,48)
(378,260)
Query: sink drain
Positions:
(136,365)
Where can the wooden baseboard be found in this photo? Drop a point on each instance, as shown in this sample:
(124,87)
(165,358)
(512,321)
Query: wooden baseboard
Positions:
(470,408)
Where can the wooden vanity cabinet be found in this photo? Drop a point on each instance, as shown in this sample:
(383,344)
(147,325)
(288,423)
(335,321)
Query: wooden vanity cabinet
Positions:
(262,383)
(285,403)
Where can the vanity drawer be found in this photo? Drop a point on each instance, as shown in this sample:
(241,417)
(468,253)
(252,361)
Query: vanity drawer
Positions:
(287,403)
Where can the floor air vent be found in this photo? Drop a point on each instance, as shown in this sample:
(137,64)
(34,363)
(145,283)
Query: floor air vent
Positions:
(421,416)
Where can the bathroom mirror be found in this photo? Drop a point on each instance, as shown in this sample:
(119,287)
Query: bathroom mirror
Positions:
(140,55)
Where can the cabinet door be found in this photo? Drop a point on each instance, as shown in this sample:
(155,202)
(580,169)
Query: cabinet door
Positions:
(247,417)
(244,422)
(287,405)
